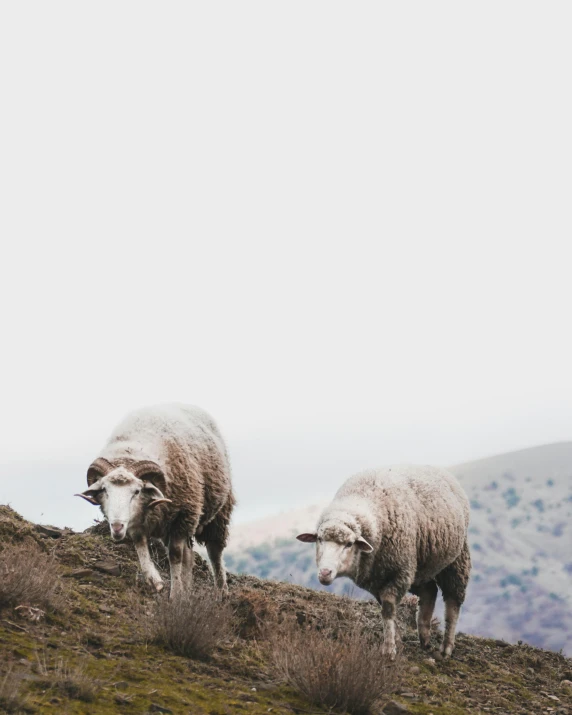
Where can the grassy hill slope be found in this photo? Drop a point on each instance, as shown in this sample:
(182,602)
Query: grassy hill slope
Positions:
(92,652)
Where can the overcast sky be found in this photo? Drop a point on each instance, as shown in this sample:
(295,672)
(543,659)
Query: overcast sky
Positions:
(343,229)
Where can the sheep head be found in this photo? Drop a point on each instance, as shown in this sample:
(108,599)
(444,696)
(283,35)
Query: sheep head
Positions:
(125,493)
(338,548)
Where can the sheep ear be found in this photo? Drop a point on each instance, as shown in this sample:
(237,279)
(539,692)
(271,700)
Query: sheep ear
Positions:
(91,493)
(364,546)
(157,494)
(308,538)
(88,498)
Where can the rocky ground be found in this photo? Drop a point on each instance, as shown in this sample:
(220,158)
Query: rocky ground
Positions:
(92,653)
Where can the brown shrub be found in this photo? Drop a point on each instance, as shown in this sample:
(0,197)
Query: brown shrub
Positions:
(69,680)
(336,665)
(254,611)
(407,612)
(194,624)
(28,576)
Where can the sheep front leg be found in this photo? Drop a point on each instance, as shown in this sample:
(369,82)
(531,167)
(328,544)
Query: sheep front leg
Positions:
(147,566)
(177,548)
(387,599)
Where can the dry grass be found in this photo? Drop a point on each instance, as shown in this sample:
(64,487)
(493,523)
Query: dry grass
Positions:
(336,665)
(72,681)
(28,576)
(195,624)
(254,611)
(11,699)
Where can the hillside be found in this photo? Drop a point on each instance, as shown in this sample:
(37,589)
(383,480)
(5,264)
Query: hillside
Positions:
(91,653)
(520,534)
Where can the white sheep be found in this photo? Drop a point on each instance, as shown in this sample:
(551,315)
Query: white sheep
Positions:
(165,473)
(396,530)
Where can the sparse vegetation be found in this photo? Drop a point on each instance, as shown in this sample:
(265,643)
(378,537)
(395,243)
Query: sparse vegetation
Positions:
(11,698)
(28,576)
(70,680)
(193,625)
(98,657)
(335,664)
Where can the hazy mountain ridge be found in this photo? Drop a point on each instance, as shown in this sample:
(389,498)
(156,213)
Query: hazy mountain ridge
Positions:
(521,543)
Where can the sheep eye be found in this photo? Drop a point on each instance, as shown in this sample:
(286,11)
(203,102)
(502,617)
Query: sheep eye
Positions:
(348,546)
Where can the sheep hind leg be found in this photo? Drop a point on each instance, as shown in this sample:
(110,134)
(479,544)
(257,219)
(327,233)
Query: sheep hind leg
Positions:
(452,609)
(453,583)
(188,563)
(176,556)
(214,550)
(427,597)
(215,536)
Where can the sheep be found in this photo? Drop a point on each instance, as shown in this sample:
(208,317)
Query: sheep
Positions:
(395,530)
(164,473)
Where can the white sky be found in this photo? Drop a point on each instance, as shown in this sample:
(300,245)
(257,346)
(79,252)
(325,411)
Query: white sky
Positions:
(343,229)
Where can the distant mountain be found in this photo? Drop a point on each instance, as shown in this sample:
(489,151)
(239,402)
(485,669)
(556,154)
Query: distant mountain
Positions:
(521,544)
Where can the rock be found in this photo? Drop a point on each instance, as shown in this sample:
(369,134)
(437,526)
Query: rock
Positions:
(159,709)
(409,696)
(50,531)
(394,708)
(106,609)
(502,644)
(80,573)
(566,684)
(122,685)
(415,670)
(437,655)
(108,567)
(29,612)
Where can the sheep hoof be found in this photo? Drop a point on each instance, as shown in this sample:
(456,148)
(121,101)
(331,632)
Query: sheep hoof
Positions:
(445,651)
(158,586)
(389,651)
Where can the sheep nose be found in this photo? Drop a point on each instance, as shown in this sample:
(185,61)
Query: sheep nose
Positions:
(117,527)
(325,573)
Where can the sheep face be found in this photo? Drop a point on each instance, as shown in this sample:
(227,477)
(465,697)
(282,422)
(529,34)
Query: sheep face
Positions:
(337,551)
(124,499)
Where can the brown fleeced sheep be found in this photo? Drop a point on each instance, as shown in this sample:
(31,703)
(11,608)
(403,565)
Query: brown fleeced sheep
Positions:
(165,473)
(396,530)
